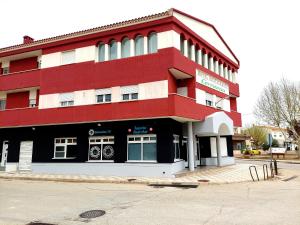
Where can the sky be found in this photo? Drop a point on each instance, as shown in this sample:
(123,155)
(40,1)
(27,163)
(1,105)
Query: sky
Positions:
(263,34)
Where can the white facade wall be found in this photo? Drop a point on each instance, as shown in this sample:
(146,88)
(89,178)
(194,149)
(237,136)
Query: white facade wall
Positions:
(200,96)
(85,54)
(149,90)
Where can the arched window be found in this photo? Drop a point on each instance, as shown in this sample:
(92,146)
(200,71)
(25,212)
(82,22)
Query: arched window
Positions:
(139,45)
(125,48)
(203,57)
(101,52)
(113,49)
(197,54)
(182,44)
(152,42)
(190,46)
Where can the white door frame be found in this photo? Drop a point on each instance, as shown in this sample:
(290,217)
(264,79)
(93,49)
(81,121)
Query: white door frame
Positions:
(4,153)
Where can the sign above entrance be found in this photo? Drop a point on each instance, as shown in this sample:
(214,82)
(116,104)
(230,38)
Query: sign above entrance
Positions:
(211,82)
(140,130)
(93,132)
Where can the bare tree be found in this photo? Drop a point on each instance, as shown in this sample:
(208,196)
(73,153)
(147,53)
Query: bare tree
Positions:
(258,134)
(279,105)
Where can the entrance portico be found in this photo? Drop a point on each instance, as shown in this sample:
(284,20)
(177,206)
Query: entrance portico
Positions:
(214,138)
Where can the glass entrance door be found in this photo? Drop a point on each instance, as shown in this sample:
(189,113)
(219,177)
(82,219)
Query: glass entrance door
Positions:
(101,149)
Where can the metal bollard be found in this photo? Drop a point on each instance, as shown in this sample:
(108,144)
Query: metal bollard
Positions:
(275,167)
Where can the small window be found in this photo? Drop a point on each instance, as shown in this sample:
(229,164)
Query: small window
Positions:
(209,100)
(101,52)
(103,98)
(2,104)
(103,95)
(65,148)
(5,70)
(32,103)
(152,43)
(139,45)
(66,99)
(129,93)
(125,48)
(190,47)
(113,50)
(68,57)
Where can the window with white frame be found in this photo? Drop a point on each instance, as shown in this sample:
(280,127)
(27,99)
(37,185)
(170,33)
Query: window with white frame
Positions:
(209,99)
(68,57)
(139,45)
(101,52)
(32,103)
(65,148)
(5,70)
(103,95)
(142,148)
(152,42)
(2,104)
(66,99)
(101,148)
(113,50)
(125,47)
(176,147)
(130,92)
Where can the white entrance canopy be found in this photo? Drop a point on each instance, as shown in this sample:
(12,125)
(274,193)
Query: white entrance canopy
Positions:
(218,123)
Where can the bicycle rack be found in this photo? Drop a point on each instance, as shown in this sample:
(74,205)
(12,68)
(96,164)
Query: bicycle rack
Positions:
(255,172)
(265,170)
(273,168)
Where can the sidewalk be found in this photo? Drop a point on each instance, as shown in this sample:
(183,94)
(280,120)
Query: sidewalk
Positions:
(208,175)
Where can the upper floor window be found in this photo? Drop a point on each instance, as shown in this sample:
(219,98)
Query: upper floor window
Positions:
(209,100)
(182,44)
(197,55)
(190,47)
(152,43)
(66,99)
(130,93)
(125,48)
(2,104)
(139,45)
(5,70)
(68,57)
(101,52)
(113,50)
(103,95)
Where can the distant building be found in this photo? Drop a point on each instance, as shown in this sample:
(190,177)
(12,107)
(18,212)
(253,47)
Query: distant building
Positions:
(281,135)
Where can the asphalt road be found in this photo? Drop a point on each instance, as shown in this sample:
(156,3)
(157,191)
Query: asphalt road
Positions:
(259,203)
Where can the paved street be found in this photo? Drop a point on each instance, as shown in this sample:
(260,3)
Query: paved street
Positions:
(265,202)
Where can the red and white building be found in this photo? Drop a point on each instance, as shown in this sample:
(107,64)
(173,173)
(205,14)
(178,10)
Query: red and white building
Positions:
(145,97)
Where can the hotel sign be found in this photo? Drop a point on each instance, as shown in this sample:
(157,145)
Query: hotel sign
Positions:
(211,82)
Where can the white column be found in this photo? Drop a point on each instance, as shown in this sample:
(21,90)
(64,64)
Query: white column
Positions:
(199,57)
(145,45)
(191,147)
(185,48)
(219,157)
(205,61)
(221,70)
(106,52)
(119,50)
(131,47)
(195,150)
(193,53)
